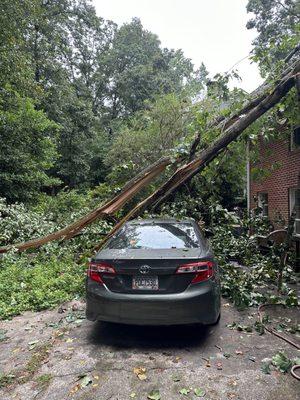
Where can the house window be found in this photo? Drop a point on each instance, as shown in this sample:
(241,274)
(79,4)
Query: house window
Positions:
(295,138)
(295,202)
(263,203)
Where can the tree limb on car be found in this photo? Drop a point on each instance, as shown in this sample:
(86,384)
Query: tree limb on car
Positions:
(187,171)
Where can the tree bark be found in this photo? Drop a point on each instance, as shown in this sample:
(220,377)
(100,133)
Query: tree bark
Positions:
(232,132)
(109,208)
(232,128)
(187,171)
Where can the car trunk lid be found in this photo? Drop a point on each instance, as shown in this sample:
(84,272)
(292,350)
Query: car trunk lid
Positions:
(137,266)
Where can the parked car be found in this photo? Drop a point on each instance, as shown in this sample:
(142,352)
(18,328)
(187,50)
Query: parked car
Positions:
(154,272)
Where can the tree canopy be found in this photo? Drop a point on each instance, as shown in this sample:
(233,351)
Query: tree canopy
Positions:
(84,102)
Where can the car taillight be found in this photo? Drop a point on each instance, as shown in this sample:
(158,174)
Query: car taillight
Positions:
(96,269)
(203,270)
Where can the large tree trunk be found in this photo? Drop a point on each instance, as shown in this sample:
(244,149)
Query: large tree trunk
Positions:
(187,171)
(231,127)
(109,208)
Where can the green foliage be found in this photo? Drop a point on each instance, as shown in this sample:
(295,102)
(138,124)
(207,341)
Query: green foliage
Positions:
(39,283)
(149,135)
(280,361)
(42,278)
(85,103)
(85,74)
(277,23)
(15,67)
(26,149)
(246,273)
(139,69)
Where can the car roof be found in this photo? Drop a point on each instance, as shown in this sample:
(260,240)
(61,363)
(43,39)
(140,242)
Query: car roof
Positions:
(160,221)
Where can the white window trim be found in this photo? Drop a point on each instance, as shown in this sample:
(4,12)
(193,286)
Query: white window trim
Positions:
(292,199)
(263,205)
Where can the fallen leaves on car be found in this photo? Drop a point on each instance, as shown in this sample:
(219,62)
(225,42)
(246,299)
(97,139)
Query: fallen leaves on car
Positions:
(154,395)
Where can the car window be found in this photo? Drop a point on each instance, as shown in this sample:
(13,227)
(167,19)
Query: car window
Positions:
(155,236)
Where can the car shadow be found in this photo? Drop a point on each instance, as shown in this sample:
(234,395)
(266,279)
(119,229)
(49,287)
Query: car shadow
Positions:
(149,337)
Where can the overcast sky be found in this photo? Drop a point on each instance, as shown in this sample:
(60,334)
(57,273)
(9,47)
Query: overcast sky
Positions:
(209,31)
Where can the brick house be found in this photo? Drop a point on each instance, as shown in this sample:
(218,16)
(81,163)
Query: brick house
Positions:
(274,180)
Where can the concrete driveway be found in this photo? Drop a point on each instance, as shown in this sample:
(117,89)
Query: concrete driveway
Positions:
(59,355)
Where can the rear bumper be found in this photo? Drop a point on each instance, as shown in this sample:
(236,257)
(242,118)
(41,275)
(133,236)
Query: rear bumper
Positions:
(199,303)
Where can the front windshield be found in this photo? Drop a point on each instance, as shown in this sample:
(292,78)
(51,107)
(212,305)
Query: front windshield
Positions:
(155,236)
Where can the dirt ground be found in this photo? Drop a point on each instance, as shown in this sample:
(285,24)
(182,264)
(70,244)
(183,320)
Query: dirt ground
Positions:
(57,354)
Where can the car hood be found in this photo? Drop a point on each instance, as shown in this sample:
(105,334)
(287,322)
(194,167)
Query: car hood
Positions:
(119,254)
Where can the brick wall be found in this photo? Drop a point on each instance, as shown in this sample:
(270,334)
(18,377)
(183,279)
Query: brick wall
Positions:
(284,165)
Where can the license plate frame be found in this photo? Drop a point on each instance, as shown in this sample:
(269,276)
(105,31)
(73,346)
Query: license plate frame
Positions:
(145,283)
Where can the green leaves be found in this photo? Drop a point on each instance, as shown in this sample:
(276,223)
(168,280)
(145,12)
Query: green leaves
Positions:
(199,392)
(3,336)
(282,362)
(26,149)
(184,391)
(279,361)
(154,395)
(265,368)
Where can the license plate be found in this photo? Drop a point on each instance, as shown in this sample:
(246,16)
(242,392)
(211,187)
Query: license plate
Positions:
(145,283)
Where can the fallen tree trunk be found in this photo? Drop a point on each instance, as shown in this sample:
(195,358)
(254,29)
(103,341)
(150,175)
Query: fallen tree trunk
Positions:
(109,208)
(233,130)
(186,172)
(144,177)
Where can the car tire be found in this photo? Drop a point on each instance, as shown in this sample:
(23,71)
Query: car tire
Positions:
(217,321)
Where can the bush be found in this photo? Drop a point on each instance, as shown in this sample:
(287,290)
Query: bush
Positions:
(38,282)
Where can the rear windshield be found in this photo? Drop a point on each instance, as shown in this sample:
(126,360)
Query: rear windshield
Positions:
(155,236)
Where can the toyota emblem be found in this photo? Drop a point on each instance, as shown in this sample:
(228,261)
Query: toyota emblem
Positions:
(145,269)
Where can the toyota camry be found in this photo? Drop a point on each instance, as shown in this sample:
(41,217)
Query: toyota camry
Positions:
(154,272)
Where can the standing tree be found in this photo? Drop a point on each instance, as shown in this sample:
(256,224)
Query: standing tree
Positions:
(277,24)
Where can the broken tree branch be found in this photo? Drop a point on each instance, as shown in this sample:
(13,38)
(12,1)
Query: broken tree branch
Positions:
(109,208)
(233,131)
(232,127)
(187,171)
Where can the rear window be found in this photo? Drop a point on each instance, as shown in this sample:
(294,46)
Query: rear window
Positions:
(155,236)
